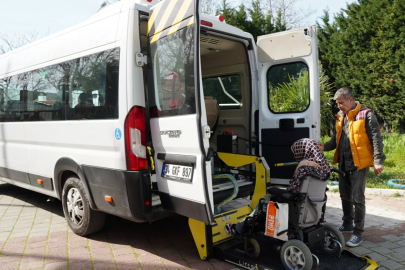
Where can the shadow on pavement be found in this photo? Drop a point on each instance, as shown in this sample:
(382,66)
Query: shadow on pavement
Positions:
(30,198)
(121,244)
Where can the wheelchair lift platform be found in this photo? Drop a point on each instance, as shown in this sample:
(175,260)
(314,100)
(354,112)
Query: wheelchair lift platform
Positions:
(216,239)
(269,259)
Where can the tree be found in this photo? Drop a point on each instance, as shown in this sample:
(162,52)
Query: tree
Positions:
(291,95)
(324,33)
(208,6)
(11,41)
(259,23)
(253,19)
(288,12)
(366,52)
(326,94)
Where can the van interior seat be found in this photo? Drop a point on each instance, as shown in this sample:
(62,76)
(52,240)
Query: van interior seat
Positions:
(212,110)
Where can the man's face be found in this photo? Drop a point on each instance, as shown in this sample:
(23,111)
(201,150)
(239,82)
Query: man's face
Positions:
(345,105)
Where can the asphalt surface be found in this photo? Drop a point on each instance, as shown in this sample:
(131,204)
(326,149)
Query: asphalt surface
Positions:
(35,235)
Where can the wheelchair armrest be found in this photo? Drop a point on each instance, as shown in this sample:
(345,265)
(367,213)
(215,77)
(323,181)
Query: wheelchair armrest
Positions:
(290,196)
(314,175)
(282,193)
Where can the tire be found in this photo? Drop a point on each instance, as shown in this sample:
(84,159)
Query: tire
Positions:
(331,232)
(81,218)
(296,255)
(252,248)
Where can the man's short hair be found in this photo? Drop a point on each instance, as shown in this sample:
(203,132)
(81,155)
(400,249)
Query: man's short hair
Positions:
(344,91)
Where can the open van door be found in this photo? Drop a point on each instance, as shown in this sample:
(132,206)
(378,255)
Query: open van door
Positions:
(178,119)
(289,106)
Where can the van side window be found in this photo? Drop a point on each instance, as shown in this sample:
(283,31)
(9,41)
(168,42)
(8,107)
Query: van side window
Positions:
(173,91)
(12,91)
(93,91)
(52,93)
(288,87)
(45,92)
(227,90)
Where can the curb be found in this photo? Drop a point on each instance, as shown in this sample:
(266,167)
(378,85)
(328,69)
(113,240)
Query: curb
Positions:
(378,191)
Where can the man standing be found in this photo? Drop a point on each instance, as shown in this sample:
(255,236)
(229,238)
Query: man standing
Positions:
(358,145)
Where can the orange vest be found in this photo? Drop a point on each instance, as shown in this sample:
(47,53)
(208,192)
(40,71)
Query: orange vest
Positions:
(362,150)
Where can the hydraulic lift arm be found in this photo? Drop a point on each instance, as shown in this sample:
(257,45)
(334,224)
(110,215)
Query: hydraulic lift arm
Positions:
(206,235)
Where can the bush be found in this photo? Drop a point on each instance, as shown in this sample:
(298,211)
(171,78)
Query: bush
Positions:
(292,96)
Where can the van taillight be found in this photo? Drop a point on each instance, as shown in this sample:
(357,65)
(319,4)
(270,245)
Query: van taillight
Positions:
(135,139)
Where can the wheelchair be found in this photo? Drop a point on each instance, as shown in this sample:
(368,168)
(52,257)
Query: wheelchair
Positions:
(307,230)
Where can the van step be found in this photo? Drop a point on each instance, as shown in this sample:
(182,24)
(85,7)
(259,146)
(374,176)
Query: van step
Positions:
(155,200)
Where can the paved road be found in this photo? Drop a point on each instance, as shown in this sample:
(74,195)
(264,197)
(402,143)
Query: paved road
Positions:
(35,235)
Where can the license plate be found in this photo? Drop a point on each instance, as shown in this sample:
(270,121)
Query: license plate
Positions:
(178,172)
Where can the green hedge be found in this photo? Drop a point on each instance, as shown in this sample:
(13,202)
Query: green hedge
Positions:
(394,165)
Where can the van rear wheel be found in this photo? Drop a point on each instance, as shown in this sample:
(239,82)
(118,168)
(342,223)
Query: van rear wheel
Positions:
(81,218)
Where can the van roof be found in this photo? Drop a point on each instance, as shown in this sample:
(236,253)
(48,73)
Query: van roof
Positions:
(142,5)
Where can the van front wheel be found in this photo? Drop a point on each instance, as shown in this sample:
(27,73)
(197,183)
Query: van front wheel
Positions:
(81,218)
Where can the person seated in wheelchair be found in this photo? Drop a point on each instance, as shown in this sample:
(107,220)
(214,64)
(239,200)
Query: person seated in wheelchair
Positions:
(311,162)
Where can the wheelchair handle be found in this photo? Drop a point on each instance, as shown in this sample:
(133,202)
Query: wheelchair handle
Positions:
(296,163)
(285,164)
(338,171)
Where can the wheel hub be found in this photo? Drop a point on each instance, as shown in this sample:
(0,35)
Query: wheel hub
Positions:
(329,244)
(294,258)
(75,206)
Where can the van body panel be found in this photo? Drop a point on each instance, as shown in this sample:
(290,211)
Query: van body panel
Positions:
(75,139)
(45,183)
(15,174)
(40,54)
(279,130)
(180,126)
(29,187)
(12,145)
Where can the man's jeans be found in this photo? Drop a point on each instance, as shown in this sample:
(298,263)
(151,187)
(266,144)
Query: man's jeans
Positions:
(352,187)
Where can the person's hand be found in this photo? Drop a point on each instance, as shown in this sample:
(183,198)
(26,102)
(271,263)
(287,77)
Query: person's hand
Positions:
(321,146)
(378,169)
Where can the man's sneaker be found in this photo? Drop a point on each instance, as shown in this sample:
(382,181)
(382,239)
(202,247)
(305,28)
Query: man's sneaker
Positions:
(354,241)
(344,229)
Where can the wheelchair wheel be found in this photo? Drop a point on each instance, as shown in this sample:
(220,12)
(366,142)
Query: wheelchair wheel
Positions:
(332,233)
(252,248)
(296,255)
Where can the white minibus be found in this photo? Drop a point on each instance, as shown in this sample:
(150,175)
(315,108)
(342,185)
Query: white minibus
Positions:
(125,113)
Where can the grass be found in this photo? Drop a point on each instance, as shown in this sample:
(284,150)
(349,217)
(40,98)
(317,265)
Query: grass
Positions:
(394,165)
(334,190)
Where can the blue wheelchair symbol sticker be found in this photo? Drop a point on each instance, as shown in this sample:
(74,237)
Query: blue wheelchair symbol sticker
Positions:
(118,134)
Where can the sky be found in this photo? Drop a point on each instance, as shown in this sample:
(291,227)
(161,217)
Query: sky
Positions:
(44,16)
(50,16)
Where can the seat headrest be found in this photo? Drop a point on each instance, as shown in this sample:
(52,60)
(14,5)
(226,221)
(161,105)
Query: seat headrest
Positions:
(212,110)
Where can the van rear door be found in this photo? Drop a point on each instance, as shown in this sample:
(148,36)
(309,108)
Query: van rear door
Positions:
(178,119)
(289,106)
